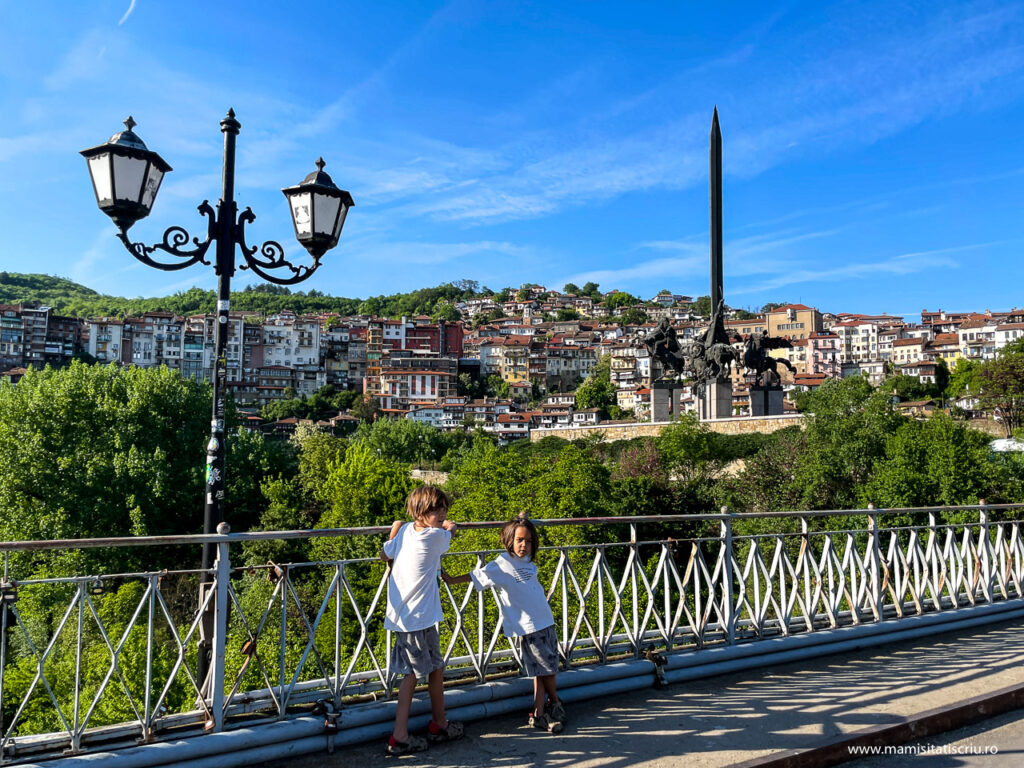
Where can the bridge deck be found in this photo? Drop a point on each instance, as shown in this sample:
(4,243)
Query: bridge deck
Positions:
(735,718)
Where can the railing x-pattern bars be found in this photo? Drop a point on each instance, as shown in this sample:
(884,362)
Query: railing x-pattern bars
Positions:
(89,661)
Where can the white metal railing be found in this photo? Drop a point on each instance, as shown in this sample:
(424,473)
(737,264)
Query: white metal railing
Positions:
(104,661)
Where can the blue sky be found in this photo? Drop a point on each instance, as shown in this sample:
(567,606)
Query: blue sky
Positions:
(873,151)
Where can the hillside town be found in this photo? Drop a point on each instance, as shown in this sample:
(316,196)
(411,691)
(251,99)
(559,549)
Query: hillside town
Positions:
(540,345)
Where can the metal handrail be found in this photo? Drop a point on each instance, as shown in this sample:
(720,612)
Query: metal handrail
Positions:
(310,533)
(289,635)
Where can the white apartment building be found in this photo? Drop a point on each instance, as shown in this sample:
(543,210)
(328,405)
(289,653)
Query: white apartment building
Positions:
(978,338)
(1007,333)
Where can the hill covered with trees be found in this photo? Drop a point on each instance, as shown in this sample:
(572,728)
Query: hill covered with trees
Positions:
(70,298)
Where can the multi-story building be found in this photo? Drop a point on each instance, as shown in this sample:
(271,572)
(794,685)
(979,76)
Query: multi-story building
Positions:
(1007,333)
(858,339)
(794,321)
(515,356)
(824,354)
(977,337)
(942,321)
(623,365)
(272,381)
(60,339)
(945,346)
(334,353)
(107,342)
(374,354)
(403,388)
(909,350)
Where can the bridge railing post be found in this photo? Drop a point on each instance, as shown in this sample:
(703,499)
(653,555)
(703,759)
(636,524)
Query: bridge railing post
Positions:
(804,570)
(932,562)
(222,569)
(985,554)
(875,555)
(635,592)
(728,599)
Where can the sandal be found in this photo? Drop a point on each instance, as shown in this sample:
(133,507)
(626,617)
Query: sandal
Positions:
(545,723)
(411,744)
(558,712)
(454,730)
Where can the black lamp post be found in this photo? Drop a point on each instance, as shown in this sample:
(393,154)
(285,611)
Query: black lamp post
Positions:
(126,177)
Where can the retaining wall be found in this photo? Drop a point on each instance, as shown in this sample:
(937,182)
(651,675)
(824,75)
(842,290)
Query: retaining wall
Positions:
(734,426)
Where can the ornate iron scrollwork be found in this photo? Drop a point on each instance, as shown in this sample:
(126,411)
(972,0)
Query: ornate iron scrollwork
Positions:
(174,239)
(271,256)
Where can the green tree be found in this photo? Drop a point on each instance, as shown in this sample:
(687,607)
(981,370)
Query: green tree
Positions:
(567,314)
(251,460)
(403,440)
(963,378)
(620,299)
(906,388)
(363,489)
(633,316)
(1001,386)
(689,450)
(702,306)
(443,310)
(366,408)
(597,390)
(571,288)
(95,451)
(591,289)
(930,463)
(941,377)
(845,437)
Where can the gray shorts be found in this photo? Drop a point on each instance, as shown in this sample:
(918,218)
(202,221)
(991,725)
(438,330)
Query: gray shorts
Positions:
(417,653)
(539,651)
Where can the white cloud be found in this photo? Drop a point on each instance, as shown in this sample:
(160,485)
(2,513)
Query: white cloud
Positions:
(131,7)
(902,264)
(851,96)
(386,254)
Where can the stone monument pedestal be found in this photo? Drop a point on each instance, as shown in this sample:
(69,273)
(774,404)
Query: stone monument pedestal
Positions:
(766,401)
(716,401)
(666,401)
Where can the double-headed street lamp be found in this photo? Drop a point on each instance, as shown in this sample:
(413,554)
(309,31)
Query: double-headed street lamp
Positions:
(126,177)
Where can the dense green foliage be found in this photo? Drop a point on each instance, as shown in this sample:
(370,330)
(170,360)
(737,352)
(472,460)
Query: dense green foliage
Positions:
(598,390)
(103,451)
(857,449)
(999,385)
(69,298)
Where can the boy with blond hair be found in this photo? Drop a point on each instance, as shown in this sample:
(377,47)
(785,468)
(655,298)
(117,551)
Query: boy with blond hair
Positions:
(414,551)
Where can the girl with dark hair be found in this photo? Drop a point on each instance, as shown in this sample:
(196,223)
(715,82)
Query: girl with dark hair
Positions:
(526,616)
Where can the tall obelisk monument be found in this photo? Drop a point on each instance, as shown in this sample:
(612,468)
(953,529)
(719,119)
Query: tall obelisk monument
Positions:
(715,179)
(716,399)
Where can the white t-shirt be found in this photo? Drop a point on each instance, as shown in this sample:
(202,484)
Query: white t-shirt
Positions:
(524,606)
(414,597)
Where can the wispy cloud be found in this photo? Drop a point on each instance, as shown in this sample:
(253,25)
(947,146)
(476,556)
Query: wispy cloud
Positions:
(84,61)
(397,253)
(785,269)
(902,264)
(688,268)
(91,261)
(847,97)
(131,7)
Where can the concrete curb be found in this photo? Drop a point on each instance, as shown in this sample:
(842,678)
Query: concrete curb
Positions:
(921,725)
